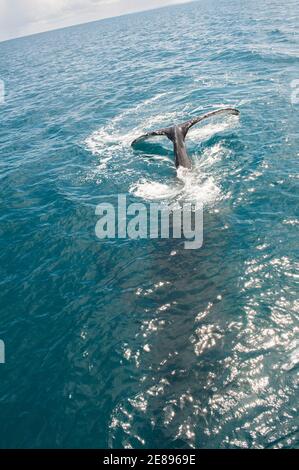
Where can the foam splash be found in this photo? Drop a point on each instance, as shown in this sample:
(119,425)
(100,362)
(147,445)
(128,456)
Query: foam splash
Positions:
(191,186)
(111,137)
(153,190)
(198,186)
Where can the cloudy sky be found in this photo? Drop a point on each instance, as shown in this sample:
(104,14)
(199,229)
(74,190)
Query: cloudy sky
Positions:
(22,17)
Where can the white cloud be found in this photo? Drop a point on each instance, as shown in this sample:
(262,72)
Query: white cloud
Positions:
(22,17)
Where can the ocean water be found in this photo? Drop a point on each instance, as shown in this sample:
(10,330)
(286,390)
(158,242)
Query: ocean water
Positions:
(141,343)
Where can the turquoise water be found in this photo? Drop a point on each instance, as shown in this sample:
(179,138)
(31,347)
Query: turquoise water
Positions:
(141,343)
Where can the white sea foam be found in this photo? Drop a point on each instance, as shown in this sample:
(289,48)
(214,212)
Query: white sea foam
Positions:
(153,190)
(164,119)
(197,185)
(111,137)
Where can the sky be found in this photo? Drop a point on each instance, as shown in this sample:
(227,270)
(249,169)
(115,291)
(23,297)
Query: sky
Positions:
(24,17)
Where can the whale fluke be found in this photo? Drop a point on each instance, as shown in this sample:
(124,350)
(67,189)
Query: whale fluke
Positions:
(166,132)
(186,125)
(177,135)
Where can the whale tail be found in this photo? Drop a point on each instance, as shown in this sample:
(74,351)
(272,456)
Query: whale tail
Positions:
(184,127)
(177,135)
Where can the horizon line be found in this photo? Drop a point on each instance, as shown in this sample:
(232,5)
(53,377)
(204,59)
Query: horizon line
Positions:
(134,12)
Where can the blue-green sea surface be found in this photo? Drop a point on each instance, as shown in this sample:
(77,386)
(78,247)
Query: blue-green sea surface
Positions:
(126,343)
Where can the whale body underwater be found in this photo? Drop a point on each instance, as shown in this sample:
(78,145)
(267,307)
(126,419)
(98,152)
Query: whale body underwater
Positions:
(177,134)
